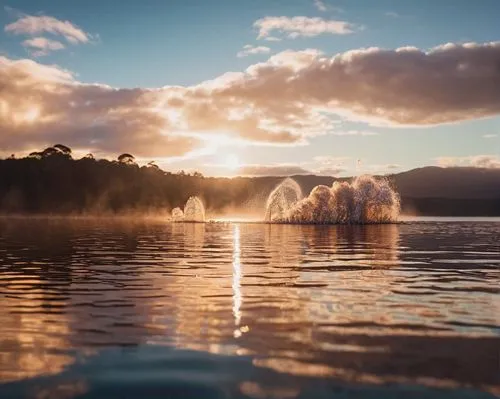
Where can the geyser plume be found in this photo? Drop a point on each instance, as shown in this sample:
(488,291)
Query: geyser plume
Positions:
(194,211)
(365,200)
(282,199)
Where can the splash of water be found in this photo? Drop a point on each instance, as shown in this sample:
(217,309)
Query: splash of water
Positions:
(282,199)
(177,215)
(364,200)
(194,211)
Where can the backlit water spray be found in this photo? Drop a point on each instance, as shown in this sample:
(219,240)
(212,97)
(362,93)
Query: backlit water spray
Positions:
(364,200)
(194,211)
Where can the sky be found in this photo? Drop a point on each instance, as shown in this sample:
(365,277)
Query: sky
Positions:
(260,87)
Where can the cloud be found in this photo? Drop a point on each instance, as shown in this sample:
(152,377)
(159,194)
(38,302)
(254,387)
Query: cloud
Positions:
(283,101)
(40,46)
(406,86)
(392,14)
(43,104)
(252,50)
(475,161)
(392,166)
(490,136)
(34,25)
(320,5)
(272,39)
(381,168)
(273,170)
(354,133)
(330,171)
(329,160)
(330,166)
(301,26)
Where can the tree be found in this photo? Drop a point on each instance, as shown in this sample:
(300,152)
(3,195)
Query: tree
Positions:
(63,149)
(49,152)
(127,159)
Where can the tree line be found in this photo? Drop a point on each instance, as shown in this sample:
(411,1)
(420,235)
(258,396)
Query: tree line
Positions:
(52,181)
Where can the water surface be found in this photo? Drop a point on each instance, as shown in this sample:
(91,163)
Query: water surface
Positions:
(95,308)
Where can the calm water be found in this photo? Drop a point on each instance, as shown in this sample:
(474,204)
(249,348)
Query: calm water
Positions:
(100,309)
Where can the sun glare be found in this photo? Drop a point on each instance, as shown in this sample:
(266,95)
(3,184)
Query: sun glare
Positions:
(28,116)
(232,162)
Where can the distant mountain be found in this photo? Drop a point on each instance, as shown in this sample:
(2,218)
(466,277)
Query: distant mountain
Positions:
(457,183)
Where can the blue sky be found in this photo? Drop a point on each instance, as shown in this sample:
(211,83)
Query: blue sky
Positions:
(151,44)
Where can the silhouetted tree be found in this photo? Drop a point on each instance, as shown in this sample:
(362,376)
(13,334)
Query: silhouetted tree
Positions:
(35,155)
(127,159)
(63,149)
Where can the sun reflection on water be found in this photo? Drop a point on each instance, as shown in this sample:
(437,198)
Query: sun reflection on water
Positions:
(237,297)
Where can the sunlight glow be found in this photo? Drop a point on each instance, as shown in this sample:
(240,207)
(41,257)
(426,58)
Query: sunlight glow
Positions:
(232,162)
(30,116)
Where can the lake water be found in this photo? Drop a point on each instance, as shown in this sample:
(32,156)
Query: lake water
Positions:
(114,308)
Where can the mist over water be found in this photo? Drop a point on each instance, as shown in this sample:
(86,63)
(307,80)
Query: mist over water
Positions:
(364,200)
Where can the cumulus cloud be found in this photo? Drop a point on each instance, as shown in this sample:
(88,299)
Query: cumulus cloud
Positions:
(475,161)
(252,50)
(41,104)
(301,26)
(283,101)
(35,25)
(405,86)
(39,46)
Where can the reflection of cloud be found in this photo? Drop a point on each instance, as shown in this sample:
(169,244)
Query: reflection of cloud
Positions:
(31,336)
